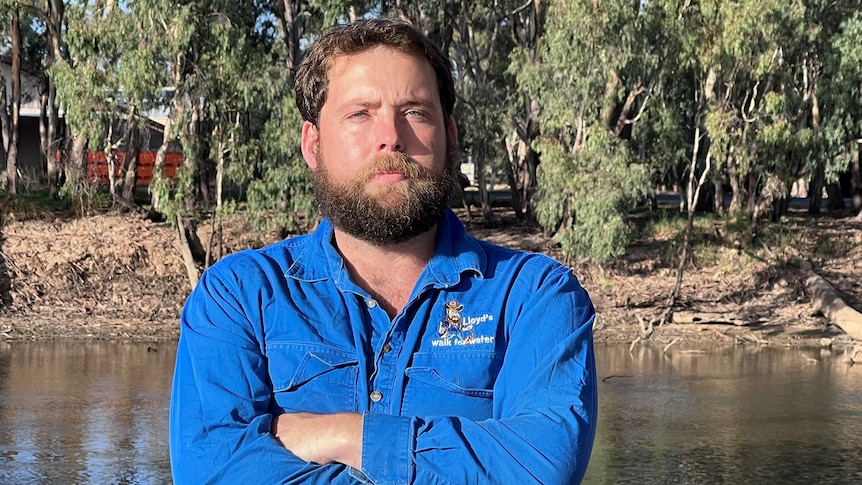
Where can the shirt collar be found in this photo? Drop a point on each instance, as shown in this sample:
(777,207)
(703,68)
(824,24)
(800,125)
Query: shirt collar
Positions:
(456,253)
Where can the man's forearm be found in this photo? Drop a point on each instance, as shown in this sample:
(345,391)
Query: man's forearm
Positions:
(321,438)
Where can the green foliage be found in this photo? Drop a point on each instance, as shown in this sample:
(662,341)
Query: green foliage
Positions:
(284,185)
(585,196)
(770,88)
(842,65)
(587,178)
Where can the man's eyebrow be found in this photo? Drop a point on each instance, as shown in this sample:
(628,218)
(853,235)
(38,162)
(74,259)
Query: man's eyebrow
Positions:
(350,103)
(416,102)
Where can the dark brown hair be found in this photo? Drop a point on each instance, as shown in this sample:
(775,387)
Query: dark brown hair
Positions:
(341,40)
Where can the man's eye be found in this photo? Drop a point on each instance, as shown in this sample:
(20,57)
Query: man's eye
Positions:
(358,115)
(417,114)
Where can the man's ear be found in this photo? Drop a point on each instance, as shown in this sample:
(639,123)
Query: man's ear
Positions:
(309,144)
(452,130)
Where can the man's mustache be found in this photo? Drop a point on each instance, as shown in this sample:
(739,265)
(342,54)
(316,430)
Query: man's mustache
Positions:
(395,162)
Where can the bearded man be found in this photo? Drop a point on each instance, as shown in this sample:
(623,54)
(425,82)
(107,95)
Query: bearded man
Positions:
(321,360)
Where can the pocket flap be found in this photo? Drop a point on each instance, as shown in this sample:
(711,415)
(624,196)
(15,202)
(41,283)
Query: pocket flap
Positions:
(292,365)
(471,374)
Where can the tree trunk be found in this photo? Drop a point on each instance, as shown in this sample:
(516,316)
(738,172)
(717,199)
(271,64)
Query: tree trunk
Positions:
(752,192)
(4,114)
(291,20)
(192,150)
(738,195)
(54,13)
(487,211)
(718,198)
(185,249)
(12,152)
(76,176)
(130,166)
(835,202)
(623,118)
(693,194)
(44,142)
(111,160)
(517,172)
(815,190)
(51,140)
(856,181)
(156,189)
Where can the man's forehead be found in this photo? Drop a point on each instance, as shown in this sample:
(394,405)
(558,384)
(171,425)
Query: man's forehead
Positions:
(342,61)
(347,75)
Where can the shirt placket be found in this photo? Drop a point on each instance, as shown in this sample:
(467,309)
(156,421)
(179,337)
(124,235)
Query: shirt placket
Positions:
(382,380)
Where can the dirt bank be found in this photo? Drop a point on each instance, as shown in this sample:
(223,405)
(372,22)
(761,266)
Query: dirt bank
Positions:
(115,276)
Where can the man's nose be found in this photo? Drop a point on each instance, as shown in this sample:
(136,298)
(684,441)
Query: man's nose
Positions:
(388,134)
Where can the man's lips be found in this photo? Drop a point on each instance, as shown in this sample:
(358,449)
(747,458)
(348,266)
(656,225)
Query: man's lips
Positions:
(389,176)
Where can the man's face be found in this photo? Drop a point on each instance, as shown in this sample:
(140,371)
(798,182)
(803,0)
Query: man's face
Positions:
(382,152)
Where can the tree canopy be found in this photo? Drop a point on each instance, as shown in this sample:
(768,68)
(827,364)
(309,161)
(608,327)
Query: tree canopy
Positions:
(582,108)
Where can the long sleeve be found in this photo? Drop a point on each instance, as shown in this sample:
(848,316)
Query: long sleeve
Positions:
(487,375)
(220,413)
(544,403)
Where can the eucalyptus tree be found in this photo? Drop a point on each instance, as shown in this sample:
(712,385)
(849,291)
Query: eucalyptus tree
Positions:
(835,36)
(262,123)
(93,85)
(528,23)
(12,14)
(25,47)
(38,35)
(52,13)
(39,30)
(846,123)
(755,103)
(481,42)
(588,176)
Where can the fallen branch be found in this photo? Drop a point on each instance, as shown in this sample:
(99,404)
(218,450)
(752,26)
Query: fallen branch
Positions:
(752,338)
(676,340)
(634,342)
(646,328)
(737,319)
(826,300)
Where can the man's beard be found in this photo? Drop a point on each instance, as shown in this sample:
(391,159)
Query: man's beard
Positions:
(387,214)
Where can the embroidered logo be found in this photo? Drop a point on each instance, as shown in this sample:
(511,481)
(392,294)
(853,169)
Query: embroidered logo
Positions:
(456,329)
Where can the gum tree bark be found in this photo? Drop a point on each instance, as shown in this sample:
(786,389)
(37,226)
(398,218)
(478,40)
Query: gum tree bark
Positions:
(12,151)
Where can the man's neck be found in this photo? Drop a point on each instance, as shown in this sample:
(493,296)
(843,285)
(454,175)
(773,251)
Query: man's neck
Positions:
(388,272)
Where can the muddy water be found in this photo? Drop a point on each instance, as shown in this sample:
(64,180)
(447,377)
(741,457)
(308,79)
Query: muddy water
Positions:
(95,413)
(89,413)
(732,415)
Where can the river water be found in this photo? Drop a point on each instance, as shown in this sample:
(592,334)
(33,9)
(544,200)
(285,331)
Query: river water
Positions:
(95,413)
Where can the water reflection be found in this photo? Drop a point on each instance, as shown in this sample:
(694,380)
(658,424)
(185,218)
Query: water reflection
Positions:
(96,413)
(76,412)
(728,415)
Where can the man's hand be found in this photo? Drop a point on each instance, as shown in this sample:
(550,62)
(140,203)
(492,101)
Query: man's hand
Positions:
(321,438)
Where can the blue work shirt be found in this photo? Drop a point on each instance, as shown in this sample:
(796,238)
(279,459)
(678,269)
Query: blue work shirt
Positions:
(487,375)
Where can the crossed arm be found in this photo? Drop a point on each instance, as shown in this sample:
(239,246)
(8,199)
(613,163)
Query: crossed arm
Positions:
(223,429)
(321,438)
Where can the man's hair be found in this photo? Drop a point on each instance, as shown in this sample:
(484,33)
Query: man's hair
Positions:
(342,40)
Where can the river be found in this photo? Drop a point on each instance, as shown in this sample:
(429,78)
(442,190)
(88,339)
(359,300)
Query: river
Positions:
(95,413)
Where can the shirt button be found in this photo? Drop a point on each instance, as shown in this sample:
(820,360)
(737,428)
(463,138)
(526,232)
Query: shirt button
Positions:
(371,302)
(376,396)
(387,348)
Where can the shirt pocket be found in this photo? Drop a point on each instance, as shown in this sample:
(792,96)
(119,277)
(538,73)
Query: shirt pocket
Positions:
(452,384)
(312,377)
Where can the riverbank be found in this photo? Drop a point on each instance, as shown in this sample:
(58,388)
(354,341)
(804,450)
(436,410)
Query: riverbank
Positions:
(112,276)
